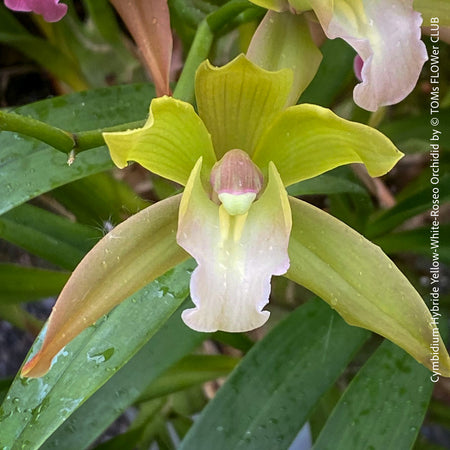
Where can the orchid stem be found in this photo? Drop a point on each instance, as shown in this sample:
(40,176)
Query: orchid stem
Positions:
(85,140)
(57,138)
(229,11)
(61,140)
(377,117)
(198,52)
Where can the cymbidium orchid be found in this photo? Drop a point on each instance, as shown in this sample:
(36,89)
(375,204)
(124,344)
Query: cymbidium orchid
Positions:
(235,158)
(384,33)
(50,10)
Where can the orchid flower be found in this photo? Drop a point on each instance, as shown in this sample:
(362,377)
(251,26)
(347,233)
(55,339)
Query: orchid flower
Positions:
(235,158)
(50,10)
(384,33)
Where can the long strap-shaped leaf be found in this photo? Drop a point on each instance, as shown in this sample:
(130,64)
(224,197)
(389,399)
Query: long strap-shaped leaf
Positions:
(383,407)
(358,280)
(34,408)
(30,168)
(269,396)
(173,341)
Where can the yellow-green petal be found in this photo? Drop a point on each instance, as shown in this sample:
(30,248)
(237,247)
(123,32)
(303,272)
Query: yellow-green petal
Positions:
(129,257)
(281,41)
(307,140)
(358,280)
(237,102)
(169,144)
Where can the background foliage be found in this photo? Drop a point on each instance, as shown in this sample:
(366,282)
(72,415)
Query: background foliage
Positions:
(306,370)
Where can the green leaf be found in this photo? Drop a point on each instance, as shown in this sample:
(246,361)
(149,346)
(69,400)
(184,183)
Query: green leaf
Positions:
(20,318)
(21,284)
(53,238)
(172,342)
(5,383)
(334,74)
(408,206)
(238,101)
(351,269)
(240,341)
(169,144)
(37,49)
(99,198)
(416,241)
(270,394)
(307,140)
(131,255)
(30,168)
(35,408)
(383,407)
(412,133)
(190,371)
(98,45)
(335,182)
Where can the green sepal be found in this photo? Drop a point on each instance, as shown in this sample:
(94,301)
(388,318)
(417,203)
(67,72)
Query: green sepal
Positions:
(238,101)
(129,257)
(307,140)
(169,144)
(282,41)
(361,283)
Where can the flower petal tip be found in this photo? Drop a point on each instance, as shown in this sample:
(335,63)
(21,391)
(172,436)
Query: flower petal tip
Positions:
(206,320)
(50,10)
(36,367)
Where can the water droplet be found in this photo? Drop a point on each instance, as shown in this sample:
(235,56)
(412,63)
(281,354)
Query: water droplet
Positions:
(219,428)
(99,358)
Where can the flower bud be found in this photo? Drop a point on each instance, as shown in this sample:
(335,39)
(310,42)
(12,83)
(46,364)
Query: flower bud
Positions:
(237,181)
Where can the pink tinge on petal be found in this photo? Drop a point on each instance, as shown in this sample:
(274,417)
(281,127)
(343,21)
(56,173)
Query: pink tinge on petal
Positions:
(50,10)
(358,64)
(236,256)
(19,5)
(386,35)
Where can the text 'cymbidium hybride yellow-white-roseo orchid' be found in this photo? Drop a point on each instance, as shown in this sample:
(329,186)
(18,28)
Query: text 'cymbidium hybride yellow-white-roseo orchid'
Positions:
(384,33)
(235,218)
